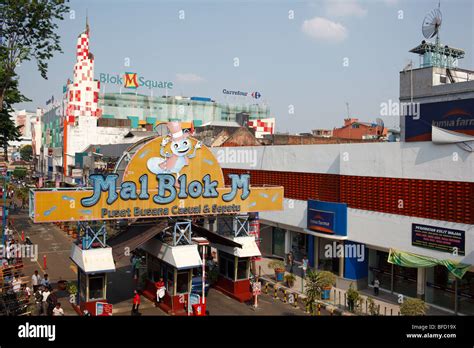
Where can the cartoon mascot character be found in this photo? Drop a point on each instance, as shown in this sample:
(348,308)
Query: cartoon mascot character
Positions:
(181,148)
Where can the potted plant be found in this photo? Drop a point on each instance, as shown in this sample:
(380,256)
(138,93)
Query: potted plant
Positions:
(352,297)
(326,281)
(413,306)
(372,308)
(279,267)
(290,279)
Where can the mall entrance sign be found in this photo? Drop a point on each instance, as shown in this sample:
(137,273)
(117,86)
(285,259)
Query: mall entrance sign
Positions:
(168,176)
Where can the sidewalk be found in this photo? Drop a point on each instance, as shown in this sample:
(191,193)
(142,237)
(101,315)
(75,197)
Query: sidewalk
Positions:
(387,302)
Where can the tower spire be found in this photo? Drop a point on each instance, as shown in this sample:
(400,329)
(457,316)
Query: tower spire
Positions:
(87,23)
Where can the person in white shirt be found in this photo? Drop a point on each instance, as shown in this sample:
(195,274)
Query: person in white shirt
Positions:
(36,281)
(46,293)
(58,311)
(16,283)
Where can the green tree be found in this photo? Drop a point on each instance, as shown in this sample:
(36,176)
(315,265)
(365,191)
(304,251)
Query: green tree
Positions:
(8,130)
(27,31)
(26,152)
(19,172)
(413,306)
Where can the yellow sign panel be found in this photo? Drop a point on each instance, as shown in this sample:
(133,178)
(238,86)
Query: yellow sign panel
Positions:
(169,176)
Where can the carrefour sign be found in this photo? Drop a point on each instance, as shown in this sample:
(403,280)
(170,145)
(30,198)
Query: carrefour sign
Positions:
(255,95)
(174,175)
(133,80)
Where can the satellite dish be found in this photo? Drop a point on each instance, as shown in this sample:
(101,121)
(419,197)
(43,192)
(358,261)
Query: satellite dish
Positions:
(432,23)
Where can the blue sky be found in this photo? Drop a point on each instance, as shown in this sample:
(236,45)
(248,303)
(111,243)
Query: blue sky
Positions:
(291,61)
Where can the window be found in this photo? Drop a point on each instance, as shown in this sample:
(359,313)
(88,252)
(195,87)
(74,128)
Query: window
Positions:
(96,288)
(226,265)
(442,79)
(170,281)
(242,269)
(182,283)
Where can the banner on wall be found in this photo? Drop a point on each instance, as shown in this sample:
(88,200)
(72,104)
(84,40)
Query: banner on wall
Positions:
(438,238)
(453,115)
(174,175)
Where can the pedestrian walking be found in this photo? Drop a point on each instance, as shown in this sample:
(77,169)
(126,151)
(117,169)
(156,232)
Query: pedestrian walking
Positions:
(39,301)
(46,293)
(160,290)
(36,281)
(45,281)
(58,311)
(305,265)
(376,286)
(290,259)
(16,284)
(136,303)
(52,302)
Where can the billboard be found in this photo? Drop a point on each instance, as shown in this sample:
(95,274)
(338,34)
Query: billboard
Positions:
(454,115)
(327,217)
(438,238)
(174,175)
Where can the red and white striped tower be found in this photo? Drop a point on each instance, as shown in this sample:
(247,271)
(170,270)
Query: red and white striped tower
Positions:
(83,92)
(82,98)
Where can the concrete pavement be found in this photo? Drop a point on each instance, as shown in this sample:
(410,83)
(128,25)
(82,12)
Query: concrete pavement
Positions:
(387,302)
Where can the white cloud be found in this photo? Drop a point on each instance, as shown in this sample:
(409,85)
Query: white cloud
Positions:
(189,78)
(345,8)
(323,29)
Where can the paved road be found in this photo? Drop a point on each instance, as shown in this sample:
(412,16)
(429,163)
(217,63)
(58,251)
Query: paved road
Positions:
(53,243)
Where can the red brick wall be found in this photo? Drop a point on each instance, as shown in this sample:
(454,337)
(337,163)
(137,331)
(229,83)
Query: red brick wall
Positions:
(438,200)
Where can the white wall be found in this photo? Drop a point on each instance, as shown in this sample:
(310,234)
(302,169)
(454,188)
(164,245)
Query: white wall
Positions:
(418,160)
(394,231)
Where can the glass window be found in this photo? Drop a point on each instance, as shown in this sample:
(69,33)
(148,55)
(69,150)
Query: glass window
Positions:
(182,283)
(96,288)
(242,269)
(226,265)
(170,281)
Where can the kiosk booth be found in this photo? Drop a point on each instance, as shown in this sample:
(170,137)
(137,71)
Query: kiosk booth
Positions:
(93,266)
(175,265)
(234,262)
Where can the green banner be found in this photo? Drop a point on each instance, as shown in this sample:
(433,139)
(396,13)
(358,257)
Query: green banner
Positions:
(405,259)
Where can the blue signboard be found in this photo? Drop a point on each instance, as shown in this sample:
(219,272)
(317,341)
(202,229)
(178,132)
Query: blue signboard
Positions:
(454,115)
(327,217)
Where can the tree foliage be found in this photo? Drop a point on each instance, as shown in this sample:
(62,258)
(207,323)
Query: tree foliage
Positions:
(413,306)
(27,32)
(26,152)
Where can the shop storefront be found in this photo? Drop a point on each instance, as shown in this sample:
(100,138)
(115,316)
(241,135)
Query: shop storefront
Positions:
(327,225)
(272,241)
(393,278)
